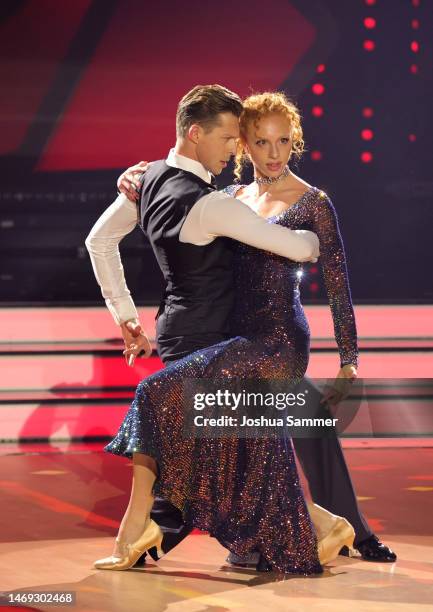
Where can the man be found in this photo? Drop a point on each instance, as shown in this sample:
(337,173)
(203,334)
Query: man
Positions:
(182,214)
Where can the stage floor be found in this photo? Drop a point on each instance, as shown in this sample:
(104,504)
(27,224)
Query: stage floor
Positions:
(62,505)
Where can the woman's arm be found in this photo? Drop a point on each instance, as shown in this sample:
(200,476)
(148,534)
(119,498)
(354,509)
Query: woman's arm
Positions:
(334,269)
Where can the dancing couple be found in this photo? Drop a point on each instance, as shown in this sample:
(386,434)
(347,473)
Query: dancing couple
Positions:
(231,310)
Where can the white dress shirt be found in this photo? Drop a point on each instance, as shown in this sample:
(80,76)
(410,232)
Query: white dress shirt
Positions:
(215,214)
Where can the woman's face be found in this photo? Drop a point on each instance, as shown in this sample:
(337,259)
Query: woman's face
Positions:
(269,144)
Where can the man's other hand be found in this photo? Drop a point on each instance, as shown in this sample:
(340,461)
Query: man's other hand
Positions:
(136,341)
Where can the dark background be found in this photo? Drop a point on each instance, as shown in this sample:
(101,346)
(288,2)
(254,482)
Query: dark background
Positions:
(90,87)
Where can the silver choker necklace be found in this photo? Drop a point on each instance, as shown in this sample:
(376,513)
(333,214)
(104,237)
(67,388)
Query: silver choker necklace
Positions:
(267,180)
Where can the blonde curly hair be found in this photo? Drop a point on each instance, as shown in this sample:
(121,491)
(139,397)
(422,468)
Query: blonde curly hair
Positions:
(259,105)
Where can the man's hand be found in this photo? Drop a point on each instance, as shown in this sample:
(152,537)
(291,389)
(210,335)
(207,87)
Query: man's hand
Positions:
(342,384)
(135,340)
(128,182)
(314,243)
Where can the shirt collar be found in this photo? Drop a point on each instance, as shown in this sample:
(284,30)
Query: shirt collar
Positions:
(190,165)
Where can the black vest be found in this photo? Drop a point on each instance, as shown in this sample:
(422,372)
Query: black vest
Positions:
(198,298)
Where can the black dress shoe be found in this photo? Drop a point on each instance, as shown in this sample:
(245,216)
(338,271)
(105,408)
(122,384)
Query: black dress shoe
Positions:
(372,549)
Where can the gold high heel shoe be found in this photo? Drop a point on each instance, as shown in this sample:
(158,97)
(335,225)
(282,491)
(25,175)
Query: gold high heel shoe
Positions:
(341,535)
(333,532)
(151,536)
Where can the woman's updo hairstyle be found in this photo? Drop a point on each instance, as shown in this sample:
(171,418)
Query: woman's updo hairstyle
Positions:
(257,106)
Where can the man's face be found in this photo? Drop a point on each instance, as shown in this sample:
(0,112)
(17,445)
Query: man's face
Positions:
(215,147)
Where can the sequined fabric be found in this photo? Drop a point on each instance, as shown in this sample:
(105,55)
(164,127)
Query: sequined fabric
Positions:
(268,285)
(246,492)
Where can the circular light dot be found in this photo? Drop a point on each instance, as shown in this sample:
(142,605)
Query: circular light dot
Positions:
(367,134)
(313,269)
(415,24)
(370,2)
(314,287)
(366,157)
(415,2)
(367,112)
(370,23)
(317,111)
(412,137)
(316,155)
(321,68)
(369,45)
(414,69)
(414,45)
(318,89)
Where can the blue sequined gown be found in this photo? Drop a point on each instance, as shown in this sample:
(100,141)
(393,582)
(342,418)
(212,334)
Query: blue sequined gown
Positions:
(246,492)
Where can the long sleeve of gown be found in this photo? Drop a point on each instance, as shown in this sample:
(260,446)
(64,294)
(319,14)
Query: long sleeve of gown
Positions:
(334,269)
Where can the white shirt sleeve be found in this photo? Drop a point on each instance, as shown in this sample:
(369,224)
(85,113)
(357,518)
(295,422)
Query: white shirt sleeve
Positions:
(218,214)
(102,243)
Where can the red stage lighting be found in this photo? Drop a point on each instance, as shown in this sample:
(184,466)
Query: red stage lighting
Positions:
(318,89)
(366,157)
(321,68)
(370,23)
(316,155)
(367,112)
(414,69)
(370,2)
(412,137)
(317,111)
(414,45)
(367,134)
(314,287)
(415,24)
(369,45)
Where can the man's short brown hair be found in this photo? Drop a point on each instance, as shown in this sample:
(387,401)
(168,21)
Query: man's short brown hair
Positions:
(203,104)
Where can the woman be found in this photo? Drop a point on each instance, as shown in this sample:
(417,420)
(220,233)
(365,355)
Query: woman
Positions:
(271,133)
(247,492)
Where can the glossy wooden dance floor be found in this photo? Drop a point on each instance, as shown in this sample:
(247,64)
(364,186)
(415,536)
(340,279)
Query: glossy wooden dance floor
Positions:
(61,507)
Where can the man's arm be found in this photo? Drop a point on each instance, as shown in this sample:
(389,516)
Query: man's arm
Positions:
(218,214)
(102,243)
